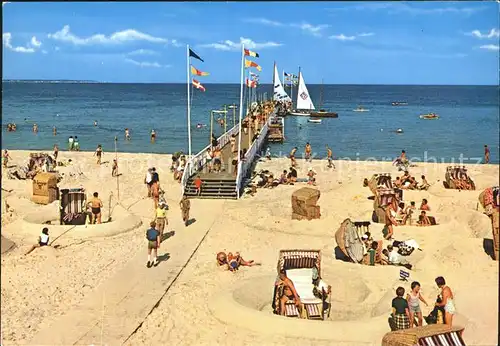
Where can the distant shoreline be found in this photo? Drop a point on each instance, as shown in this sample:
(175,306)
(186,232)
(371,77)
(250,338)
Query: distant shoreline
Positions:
(299,158)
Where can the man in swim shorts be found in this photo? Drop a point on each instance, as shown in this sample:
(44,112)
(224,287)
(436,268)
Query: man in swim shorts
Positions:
(96,205)
(289,292)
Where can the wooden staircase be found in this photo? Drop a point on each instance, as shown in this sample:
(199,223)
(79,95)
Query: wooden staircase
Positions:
(213,187)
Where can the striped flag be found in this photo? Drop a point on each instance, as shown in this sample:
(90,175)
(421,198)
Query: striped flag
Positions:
(250,53)
(198,72)
(198,85)
(251,83)
(249,63)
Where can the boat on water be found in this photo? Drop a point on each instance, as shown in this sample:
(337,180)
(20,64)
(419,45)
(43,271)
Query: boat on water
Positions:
(399,103)
(279,93)
(314,120)
(429,116)
(360,109)
(322,113)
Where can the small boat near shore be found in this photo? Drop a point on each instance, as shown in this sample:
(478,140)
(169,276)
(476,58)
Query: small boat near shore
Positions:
(314,120)
(360,109)
(399,103)
(300,114)
(324,114)
(429,116)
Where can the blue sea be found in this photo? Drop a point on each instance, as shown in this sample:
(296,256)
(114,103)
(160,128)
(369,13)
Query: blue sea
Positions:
(469,118)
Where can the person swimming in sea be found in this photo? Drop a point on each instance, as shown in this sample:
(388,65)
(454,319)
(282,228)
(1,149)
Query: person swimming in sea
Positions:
(127,134)
(153,136)
(95,122)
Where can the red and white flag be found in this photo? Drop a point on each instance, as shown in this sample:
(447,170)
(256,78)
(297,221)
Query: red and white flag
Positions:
(198,85)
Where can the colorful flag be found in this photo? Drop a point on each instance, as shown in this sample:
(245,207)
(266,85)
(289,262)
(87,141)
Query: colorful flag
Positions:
(251,83)
(194,55)
(198,85)
(290,75)
(250,53)
(249,63)
(198,72)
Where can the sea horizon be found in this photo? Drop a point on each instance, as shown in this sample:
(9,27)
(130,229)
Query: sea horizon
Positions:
(76,81)
(469,118)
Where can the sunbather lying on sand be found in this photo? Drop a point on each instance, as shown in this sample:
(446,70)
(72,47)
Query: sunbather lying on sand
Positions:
(233,262)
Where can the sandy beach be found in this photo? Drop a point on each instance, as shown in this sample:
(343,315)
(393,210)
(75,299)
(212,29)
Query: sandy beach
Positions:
(200,304)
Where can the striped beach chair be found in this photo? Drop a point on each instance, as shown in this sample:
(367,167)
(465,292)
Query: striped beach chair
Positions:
(298,265)
(430,335)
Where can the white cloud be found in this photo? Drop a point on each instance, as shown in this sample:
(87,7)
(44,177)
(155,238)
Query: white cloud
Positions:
(35,43)
(492,47)
(145,63)
(143,52)
(397,8)
(264,21)
(7,42)
(494,33)
(128,35)
(342,37)
(228,45)
(176,44)
(314,30)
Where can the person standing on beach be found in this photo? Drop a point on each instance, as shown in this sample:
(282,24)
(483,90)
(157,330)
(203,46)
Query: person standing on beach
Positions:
(154,240)
(127,134)
(446,300)
(98,153)
(390,214)
(400,310)
(153,136)
(56,151)
(307,152)
(414,298)
(161,218)
(486,154)
(148,180)
(6,158)
(185,205)
(114,169)
(70,143)
(329,156)
(293,163)
(155,192)
(76,145)
(233,143)
(96,205)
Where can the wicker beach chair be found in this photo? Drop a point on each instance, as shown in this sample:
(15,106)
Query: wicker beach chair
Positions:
(298,265)
(380,180)
(73,207)
(430,335)
(490,201)
(348,239)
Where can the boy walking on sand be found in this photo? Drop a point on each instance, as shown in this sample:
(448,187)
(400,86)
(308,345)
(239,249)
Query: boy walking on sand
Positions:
(329,157)
(153,237)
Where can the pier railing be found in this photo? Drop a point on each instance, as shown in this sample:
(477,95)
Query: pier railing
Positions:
(198,161)
(245,165)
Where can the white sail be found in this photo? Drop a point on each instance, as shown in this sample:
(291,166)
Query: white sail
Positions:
(279,92)
(303,98)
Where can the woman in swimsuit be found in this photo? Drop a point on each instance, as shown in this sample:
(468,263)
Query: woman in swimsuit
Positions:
(390,214)
(447,300)
(98,153)
(96,206)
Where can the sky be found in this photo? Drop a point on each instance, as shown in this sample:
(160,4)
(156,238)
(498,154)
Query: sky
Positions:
(442,43)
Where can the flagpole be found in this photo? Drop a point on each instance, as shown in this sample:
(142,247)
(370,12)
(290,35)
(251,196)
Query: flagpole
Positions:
(188,103)
(241,99)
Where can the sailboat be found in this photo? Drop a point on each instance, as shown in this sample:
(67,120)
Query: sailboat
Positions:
(279,92)
(323,113)
(304,102)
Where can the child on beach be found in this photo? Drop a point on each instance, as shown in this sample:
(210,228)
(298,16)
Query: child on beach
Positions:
(114,169)
(153,237)
(197,183)
(70,143)
(329,155)
(161,218)
(414,298)
(98,153)
(185,205)
(400,311)
(76,145)
(56,151)
(43,240)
